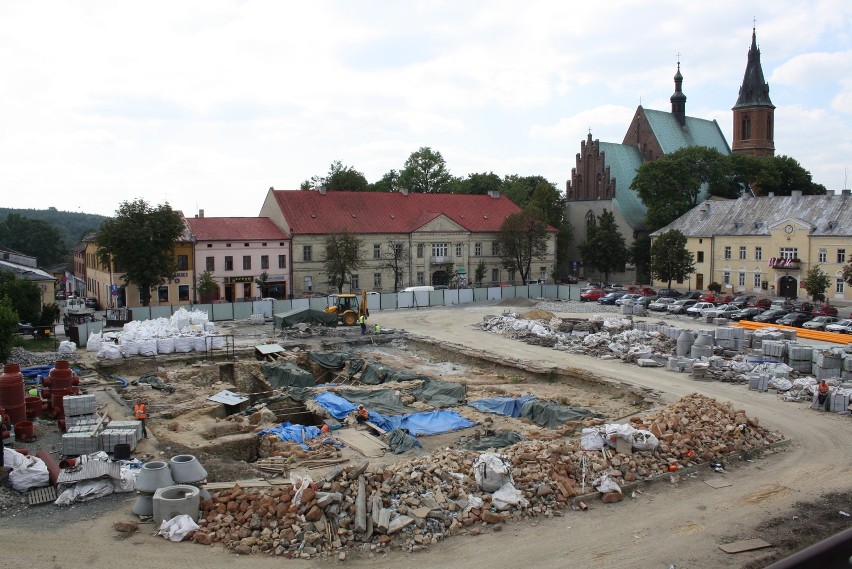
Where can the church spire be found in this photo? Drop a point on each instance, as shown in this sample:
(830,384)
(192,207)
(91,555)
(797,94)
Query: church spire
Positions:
(679,99)
(754,113)
(754,92)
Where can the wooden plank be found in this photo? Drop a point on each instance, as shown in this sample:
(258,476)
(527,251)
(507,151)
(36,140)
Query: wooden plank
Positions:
(363,443)
(94,431)
(375,427)
(244,484)
(744,545)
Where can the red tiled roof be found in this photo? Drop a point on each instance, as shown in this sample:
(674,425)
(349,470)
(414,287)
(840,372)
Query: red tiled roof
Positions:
(310,212)
(234,229)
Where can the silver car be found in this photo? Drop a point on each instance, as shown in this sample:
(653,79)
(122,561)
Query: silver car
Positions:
(819,323)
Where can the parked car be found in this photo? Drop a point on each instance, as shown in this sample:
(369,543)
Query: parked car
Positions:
(747,313)
(770,316)
(820,322)
(824,310)
(742,301)
(715,298)
(698,309)
(593,285)
(92,303)
(760,302)
(805,307)
(722,311)
(680,306)
(668,293)
(661,304)
(59,295)
(794,319)
(634,298)
(785,304)
(691,295)
(592,294)
(611,297)
(571,279)
(842,326)
(646,301)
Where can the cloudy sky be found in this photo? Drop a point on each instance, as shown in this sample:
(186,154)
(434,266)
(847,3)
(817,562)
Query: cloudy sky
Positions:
(206,104)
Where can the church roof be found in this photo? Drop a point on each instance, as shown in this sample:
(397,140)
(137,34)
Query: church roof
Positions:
(826,216)
(754,92)
(696,132)
(623,161)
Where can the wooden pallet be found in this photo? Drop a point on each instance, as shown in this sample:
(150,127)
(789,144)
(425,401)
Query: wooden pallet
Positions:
(42,495)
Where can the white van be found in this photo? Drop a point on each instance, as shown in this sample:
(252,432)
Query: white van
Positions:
(418,289)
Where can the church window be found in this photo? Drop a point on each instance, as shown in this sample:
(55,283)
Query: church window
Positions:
(746,131)
(590,220)
(769,127)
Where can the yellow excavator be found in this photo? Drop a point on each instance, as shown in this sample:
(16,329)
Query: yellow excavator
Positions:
(347,307)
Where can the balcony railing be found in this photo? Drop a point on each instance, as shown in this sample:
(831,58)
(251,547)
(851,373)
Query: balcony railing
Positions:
(442,259)
(781,264)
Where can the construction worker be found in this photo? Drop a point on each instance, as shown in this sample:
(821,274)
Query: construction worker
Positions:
(362,415)
(140,411)
(377,329)
(822,394)
(362,320)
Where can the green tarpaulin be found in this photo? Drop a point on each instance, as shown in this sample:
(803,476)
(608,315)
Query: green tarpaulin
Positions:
(384,401)
(551,414)
(304,316)
(497,440)
(439,393)
(329,360)
(287,374)
(375,374)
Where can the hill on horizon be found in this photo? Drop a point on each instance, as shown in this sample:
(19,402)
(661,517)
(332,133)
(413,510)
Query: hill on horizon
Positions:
(72,226)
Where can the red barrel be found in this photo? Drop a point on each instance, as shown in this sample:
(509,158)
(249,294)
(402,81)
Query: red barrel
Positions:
(33,405)
(57,405)
(12,392)
(17,413)
(24,431)
(61,376)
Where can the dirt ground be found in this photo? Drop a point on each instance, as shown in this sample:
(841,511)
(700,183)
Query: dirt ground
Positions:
(792,496)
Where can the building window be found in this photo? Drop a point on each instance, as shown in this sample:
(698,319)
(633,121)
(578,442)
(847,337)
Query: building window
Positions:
(210,245)
(264,261)
(246,262)
(495,275)
(182,262)
(229,263)
(163,293)
(420,250)
(746,124)
(700,258)
(757,279)
(440,249)
(458,249)
(309,284)
(792,253)
(742,279)
(210,263)
(542,274)
(263,244)
(183,292)
(397,251)
(727,252)
(353,282)
(823,255)
(377,280)
(742,252)
(511,275)
(421,278)
(838,285)
(590,221)
(377,251)
(758,253)
(726,277)
(495,248)
(282,261)
(307,253)
(841,255)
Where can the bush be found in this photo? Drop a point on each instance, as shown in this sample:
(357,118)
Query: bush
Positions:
(8,328)
(714,287)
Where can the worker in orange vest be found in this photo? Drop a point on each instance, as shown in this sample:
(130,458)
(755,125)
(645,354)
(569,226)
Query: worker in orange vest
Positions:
(822,394)
(140,410)
(363,414)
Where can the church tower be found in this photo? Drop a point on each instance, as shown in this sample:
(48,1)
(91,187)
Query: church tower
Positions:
(754,113)
(678,100)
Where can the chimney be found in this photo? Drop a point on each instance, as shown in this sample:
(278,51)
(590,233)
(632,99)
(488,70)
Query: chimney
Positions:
(770,195)
(200,213)
(846,193)
(403,191)
(829,192)
(494,194)
(796,195)
(322,190)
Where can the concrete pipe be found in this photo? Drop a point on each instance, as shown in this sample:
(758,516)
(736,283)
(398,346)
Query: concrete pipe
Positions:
(176,501)
(144,506)
(186,469)
(153,476)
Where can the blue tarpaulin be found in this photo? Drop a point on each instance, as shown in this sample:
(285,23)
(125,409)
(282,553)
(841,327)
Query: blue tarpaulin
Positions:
(508,406)
(430,422)
(336,405)
(290,432)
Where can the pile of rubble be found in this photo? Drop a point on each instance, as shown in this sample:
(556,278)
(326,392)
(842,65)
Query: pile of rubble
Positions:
(26,359)
(422,501)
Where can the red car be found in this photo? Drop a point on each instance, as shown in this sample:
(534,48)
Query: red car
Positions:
(823,310)
(592,295)
(763,303)
(716,298)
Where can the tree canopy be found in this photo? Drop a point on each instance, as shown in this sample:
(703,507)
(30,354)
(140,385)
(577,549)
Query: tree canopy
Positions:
(341,178)
(604,250)
(24,297)
(395,259)
(816,283)
(33,237)
(139,242)
(670,259)
(522,238)
(342,257)
(425,172)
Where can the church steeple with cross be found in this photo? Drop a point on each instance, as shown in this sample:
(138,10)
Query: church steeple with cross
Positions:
(754,113)
(679,99)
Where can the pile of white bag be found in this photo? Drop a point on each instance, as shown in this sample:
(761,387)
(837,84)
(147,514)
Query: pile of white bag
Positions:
(595,438)
(183,332)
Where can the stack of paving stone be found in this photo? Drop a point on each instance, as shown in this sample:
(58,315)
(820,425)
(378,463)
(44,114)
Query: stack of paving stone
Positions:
(730,338)
(827,363)
(846,372)
(800,358)
(80,419)
(773,350)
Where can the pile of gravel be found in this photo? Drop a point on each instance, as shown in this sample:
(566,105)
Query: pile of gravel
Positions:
(25,358)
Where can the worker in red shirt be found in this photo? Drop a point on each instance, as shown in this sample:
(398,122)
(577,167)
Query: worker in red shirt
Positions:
(822,394)
(140,411)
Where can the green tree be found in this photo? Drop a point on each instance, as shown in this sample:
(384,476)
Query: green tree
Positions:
(395,259)
(670,259)
(341,178)
(791,176)
(8,327)
(342,257)
(604,250)
(480,184)
(206,288)
(389,182)
(425,172)
(816,283)
(262,282)
(639,253)
(33,237)
(549,205)
(520,189)
(481,270)
(140,240)
(714,287)
(522,238)
(672,185)
(24,296)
